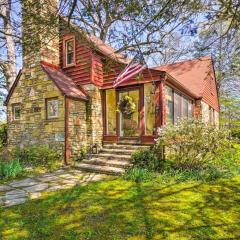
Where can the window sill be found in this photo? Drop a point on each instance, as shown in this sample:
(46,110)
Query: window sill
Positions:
(69,66)
(52,118)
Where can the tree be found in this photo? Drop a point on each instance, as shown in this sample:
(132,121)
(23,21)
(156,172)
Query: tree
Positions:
(7,40)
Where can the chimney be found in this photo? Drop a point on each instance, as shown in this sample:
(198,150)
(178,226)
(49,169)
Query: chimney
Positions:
(40,26)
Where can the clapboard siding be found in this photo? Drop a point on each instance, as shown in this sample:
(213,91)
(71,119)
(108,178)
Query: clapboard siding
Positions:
(80,73)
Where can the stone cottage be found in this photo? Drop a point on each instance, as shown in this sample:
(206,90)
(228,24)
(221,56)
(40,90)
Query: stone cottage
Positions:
(64,96)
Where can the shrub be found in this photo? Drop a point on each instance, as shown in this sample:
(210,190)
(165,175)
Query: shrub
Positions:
(138,175)
(3,135)
(146,159)
(11,169)
(192,144)
(37,156)
(82,154)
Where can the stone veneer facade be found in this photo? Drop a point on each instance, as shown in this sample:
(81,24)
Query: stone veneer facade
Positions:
(31,92)
(77,126)
(94,115)
(84,119)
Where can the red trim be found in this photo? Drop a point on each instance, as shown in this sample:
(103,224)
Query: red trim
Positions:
(65,39)
(50,65)
(158,108)
(13,87)
(141,110)
(148,139)
(113,139)
(67,153)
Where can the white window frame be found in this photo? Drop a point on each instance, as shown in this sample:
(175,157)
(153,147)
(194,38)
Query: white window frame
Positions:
(66,52)
(48,100)
(14,111)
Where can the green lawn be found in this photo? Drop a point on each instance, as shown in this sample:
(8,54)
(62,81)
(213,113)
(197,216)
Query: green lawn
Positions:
(117,209)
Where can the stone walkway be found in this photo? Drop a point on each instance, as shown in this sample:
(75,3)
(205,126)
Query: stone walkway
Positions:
(18,191)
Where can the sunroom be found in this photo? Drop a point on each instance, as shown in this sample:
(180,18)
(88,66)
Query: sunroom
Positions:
(134,112)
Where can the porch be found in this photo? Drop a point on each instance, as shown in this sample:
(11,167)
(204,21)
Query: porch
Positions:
(139,127)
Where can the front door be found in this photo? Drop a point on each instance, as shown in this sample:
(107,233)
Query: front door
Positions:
(129,125)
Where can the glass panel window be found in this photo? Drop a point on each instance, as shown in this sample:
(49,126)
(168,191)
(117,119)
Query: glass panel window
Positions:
(16,112)
(149,108)
(52,108)
(190,109)
(69,52)
(184,107)
(169,104)
(177,107)
(111,111)
(129,124)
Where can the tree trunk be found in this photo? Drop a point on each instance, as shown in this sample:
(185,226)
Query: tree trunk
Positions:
(10,64)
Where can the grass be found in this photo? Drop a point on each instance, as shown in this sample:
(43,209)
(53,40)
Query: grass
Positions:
(119,209)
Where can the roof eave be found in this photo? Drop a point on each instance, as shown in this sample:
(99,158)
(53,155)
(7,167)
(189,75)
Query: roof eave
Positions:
(12,88)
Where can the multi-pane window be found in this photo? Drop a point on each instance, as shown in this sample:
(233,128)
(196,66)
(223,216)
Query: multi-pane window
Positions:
(69,48)
(16,109)
(177,106)
(52,106)
(149,108)
(184,107)
(190,109)
(169,104)
(111,112)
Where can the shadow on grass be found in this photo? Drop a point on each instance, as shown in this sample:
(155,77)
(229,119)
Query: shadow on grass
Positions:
(118,209)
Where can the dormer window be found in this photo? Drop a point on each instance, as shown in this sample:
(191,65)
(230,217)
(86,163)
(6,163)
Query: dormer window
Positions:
(69,56)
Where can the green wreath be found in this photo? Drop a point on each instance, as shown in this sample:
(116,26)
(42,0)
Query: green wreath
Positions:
(126,106)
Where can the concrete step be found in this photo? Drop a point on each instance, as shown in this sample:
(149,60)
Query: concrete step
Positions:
(125,147)
(110,163)
(117,151)
(100,169)
(110,156)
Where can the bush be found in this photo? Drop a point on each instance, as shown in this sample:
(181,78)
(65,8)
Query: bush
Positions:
(11,169)
(146,159)
(3,135)
(82,154)
(192,144)
(37,156)
(138,175)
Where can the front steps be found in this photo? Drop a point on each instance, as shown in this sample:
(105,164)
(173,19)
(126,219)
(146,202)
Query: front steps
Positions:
(113,159)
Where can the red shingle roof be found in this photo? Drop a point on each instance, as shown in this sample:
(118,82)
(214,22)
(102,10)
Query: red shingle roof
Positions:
(198,76)
(63,82)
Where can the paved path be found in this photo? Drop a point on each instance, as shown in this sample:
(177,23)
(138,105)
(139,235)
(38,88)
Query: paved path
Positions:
(18,191)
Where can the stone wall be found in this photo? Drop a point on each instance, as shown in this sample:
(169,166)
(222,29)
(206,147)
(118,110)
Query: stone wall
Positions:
(205,112)
(77,126)
(216,118)
(32,90)
(94,115)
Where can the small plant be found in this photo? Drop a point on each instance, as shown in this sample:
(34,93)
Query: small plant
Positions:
(37,156)
(82,154)
(138,175)
(3,135)
(11,169)
(146,159)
